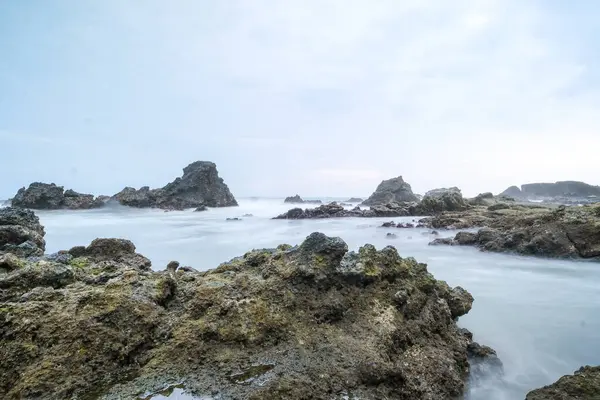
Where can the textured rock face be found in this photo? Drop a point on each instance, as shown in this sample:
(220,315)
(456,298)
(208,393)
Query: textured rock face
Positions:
(21,232)
(563,232)
(584,384)
(335,210)
(44,196)
(199,186)
(440,200)
(393,190)
(298,200)
(307,322)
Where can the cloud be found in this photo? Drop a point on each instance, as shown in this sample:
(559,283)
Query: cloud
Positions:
(348,92)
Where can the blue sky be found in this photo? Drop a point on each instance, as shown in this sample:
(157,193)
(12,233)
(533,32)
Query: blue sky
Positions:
(311,97)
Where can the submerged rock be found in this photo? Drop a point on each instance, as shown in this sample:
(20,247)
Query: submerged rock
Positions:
(298,200)
(393,190)
(584,384)
(44,196)
(305,322)
(200,185)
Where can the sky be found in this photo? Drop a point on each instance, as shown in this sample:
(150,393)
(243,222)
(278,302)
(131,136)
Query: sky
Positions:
(316,97)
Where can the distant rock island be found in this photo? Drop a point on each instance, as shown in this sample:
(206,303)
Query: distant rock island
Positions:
(393,190)
(298,200)
(48,196)
(563,190)
(199,186)
(354,200)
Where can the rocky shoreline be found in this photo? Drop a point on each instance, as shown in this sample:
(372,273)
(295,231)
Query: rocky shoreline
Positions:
(312,321)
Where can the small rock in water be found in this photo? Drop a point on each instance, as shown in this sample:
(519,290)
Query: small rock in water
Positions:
(233,219)
(201,208)
(390,224)
(247,215)
(391,236)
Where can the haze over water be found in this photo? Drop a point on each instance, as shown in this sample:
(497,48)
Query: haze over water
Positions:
(540,315)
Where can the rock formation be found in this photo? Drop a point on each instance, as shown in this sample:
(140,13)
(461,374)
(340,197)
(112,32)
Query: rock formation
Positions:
(557,192)
(44,196)
(393,190)
(563,232)
(440,200)
(20,233)
(354,200)
(584,384)
(305,322)
(298,200)
(335,210)
(199,186)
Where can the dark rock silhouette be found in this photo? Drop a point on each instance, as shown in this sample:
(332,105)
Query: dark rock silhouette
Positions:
(44,196)
(200,185)
(298,200)
(393,190)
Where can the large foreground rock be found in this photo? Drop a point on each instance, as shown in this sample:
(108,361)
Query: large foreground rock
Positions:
(44,196)
(584,384)
(199,186)
(313,321)
(20,233)
(393,190)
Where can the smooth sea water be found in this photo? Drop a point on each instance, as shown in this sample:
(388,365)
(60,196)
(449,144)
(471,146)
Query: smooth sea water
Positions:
(541,316)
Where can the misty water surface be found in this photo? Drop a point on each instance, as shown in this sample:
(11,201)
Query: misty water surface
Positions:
(540,315)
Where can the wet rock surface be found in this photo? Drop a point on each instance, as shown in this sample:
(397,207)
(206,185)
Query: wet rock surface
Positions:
(298,200)
(584,384)
(335,210)
(21,232)
(558,232)
(393,190)
(44,196)
(314,321)
(439,200)
(199,186)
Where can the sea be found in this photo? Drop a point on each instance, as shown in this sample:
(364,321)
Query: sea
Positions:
(541,316)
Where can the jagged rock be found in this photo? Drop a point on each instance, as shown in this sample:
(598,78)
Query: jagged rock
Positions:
(498,206)
(584,384)
(560,189)
(564,232)
(300,322)
(354,200)
(200,185)
(512,191)
(439,200)
(43,196)
(482,199)
(21,232)
(298,200)
(442,241)
(393,190)
(201,208)
(334,210)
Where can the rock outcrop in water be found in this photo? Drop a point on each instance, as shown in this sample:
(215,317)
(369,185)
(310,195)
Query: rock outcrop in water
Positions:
(440,200)
(44,196)
(199,186)
(313,321)
(335,210)
(393,190)
(584,384)
(21,234)
(354,200)
(563,232)
(563,192)
(298,200)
